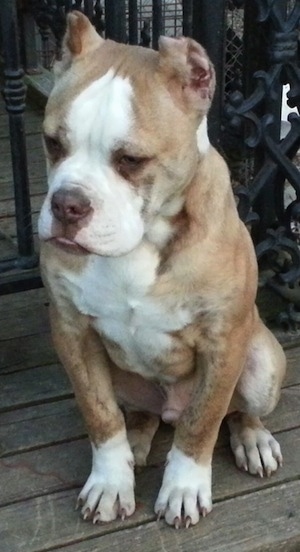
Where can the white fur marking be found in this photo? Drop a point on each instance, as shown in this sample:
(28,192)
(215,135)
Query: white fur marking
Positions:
(116,292)
(101,115)
(109,489)
(159,232)
(202,137)
(186,485)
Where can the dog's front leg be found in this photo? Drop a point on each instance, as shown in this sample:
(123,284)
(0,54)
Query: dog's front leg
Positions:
(186,488)
(109,490)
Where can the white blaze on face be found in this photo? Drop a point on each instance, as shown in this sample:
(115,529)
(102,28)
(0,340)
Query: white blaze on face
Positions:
(101,116)
(98,121)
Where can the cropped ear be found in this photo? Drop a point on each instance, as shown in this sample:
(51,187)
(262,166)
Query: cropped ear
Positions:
(80,38)
(184,61)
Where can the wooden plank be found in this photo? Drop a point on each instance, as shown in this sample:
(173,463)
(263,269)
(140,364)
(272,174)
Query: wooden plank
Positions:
(26,352)
(7,206)
(287,412)
(33,125)
(24,322)
(33,143)
(26,299)
(264,520)
(67,465)
(36,172)
(38,185)
(44,471)
(7,248)
(33,386)
(38,426)
(293,371)
(39,86)
(35,152)
(8,225)
(31,318)
(8,229)
(44,424)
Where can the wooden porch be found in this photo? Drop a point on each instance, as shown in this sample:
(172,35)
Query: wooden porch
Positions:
(45,455)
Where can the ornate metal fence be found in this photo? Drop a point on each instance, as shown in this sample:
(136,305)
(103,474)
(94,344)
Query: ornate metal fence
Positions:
(254,45)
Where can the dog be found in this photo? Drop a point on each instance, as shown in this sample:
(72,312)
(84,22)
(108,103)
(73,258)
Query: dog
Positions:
(151,275)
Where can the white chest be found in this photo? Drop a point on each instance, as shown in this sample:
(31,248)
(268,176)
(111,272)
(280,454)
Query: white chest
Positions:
(116,292)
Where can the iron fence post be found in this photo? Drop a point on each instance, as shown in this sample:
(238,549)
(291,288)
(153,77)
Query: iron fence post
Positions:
(28,39)
(89,8)
(157,22)
(115,20)
(209,28)
(187,17)
(132,22)
(14,96)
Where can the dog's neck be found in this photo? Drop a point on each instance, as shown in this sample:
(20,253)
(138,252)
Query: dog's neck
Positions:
(173,217)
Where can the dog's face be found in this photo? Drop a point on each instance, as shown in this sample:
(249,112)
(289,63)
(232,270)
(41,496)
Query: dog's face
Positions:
(121,138)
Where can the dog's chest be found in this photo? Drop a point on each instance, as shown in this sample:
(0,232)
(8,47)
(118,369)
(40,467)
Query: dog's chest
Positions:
(116,292)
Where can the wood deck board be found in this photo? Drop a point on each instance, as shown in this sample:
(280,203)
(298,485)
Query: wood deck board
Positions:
(59,467)
(38,185)
(219,532)
(30,427)
(33,350)
(33,386)
(45,455)
(240,523)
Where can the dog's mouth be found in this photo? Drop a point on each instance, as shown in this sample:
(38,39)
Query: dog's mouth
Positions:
(69,245)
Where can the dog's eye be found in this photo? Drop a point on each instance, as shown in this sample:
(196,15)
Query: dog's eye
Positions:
(131,162)
(54,147)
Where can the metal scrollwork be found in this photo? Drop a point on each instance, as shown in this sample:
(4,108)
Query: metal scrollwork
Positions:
(252,120)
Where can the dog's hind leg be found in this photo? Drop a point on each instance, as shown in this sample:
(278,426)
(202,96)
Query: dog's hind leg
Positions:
(141,428)
(256,394)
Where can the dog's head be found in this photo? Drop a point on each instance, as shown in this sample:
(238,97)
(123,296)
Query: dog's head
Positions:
(122,138)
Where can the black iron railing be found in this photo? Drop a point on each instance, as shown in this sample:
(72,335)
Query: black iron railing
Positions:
(14,95)
(254,45)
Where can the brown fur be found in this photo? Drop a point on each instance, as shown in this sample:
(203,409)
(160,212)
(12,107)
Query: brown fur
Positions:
(208,261)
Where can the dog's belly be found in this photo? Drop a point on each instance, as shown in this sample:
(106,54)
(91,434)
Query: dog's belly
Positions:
(136,327)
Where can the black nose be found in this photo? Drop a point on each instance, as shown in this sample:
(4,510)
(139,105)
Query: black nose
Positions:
(69,206)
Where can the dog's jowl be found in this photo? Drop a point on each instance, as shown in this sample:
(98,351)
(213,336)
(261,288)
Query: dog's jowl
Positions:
(152,276)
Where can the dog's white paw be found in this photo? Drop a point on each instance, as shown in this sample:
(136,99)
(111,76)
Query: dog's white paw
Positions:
(185,492)
(109,490)
(255,450)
